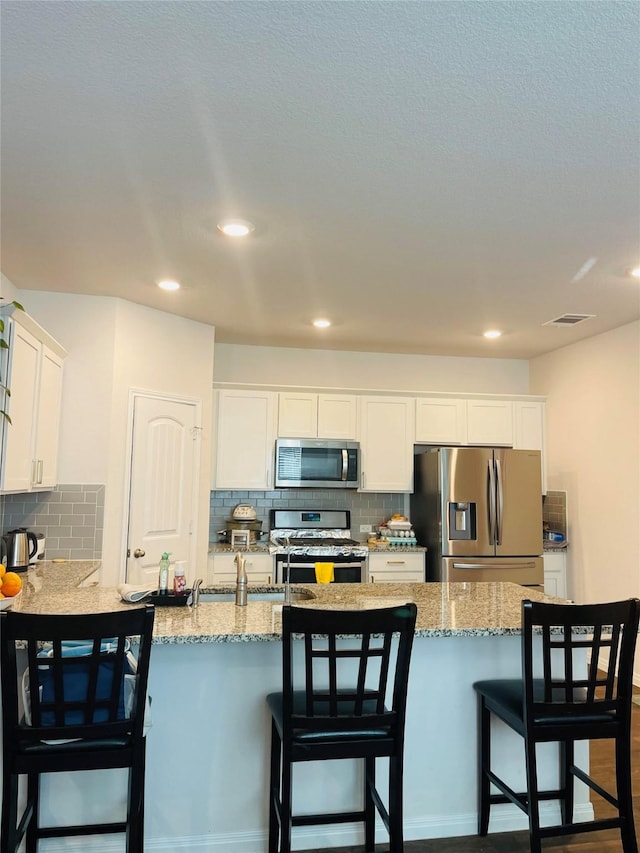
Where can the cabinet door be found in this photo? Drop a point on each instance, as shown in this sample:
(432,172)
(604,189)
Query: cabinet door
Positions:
(555,574)
(48,421)
(396,568)
(387,429)
(297,415)
(245,444)
(441,421)
(529,431)
(24,360)
(490,422)
(337,416)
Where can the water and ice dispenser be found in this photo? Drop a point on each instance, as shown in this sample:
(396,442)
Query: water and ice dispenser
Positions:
(462,520)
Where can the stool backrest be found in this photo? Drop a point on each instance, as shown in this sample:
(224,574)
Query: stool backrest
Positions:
(75,674)
(564,689)
(354,660)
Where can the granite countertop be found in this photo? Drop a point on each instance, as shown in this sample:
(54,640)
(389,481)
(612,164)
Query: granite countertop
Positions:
(444,610)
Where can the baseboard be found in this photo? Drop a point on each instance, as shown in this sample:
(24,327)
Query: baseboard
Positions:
(503,819)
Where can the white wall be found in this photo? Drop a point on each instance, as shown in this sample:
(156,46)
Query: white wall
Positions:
(115,346)
(593,451)
(382,371)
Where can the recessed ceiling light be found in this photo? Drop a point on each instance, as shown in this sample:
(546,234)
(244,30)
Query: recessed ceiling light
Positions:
(492,333)
(322,324)
(169,285)
(236,227)
(635,272)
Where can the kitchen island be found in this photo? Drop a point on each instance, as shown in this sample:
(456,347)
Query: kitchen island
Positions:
(211,668)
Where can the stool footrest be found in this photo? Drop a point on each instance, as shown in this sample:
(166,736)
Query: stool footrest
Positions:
(330,817)
(87,829)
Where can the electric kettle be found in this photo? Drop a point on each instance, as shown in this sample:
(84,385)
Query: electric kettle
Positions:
(20,545)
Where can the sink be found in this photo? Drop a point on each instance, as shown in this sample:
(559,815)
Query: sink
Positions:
(276,595)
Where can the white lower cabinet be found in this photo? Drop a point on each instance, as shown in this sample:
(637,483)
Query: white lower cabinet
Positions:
(555,574)
(222,568)
(396,568)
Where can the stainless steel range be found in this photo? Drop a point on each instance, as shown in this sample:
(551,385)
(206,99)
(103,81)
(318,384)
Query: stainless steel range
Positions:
(303,539)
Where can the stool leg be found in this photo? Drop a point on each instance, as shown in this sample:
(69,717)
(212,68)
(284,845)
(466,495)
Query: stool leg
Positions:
(274,788)
(8,835)
(484,764)
(396,842)
(532,794)
(624,791)
(135,804)
(566,781)
(369,805)
(33,802)
(285,801)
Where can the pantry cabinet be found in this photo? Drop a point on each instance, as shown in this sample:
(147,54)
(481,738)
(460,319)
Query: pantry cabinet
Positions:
(386,435)
(529,431)
(302,415)
(223,569)
(33,371)
(400,567)
(246,434)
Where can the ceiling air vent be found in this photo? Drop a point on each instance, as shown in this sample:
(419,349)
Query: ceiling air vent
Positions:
(569,320)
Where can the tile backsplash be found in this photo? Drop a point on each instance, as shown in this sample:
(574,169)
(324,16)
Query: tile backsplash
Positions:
(71,517)
(370,508)
(554,511)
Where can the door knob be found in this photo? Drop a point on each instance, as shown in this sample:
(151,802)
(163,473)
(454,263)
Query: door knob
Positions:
(139,552)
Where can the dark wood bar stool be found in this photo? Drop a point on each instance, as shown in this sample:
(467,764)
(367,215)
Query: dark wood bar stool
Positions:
(84,702)
(564,705)
(333,706)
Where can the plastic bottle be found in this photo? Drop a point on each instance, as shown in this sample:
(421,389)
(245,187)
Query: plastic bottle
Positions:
(179,577)
(163,577)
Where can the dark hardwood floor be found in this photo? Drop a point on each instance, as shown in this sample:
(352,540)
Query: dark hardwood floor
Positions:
(602,769)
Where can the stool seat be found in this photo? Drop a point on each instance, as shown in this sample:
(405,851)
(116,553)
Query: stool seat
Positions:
(339,669)
(564,704)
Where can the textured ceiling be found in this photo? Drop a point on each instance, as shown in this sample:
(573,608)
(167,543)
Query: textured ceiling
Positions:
(416,171)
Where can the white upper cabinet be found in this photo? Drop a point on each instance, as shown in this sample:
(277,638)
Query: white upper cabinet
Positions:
(246,434)
(33,372)
(387,434)
(529,430)
(441,420)
(490,422)
(303,415)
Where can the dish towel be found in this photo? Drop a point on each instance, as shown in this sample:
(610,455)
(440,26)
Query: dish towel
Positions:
(133,594)
(324,573)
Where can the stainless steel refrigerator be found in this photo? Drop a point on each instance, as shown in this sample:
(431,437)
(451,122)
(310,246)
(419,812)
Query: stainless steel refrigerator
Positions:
(478,510)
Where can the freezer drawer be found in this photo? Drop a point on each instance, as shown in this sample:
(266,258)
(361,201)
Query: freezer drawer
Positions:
(528,571)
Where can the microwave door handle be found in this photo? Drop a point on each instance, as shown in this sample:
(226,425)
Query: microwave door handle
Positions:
(491,487)
(345,464)
(500,502)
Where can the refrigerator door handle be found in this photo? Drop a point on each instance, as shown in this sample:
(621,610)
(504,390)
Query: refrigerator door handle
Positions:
(492,503)
(521,564)
(500,502)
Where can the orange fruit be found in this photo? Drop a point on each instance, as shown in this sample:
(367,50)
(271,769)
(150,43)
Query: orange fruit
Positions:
(11,584)
(3,569)
(1,595)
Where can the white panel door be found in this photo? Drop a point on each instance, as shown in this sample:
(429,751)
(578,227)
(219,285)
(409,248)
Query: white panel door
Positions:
(490,422)
(48,423)
(337,416)
(440,420)
(17,462)
(164,485)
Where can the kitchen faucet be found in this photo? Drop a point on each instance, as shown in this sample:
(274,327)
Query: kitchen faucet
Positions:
(195,592)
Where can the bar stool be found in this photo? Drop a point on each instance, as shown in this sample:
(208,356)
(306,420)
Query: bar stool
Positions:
(84,701)
(332,706)
(565,706)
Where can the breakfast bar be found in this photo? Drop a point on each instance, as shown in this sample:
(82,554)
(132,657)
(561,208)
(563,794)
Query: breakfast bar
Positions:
(207,750)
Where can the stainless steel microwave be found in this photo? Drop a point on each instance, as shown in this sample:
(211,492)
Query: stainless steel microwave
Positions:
(319,463)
